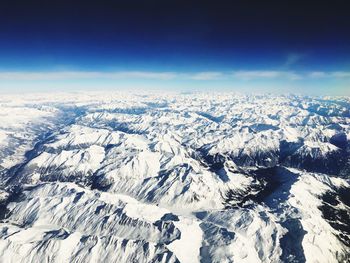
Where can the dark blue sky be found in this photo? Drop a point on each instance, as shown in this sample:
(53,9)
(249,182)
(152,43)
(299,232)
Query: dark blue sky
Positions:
(176,36)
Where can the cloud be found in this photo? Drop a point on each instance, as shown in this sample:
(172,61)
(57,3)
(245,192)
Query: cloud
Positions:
(210,75)
(341,74)
(331,74)
(69,75)
(317,74)
(265,74)
(246,75)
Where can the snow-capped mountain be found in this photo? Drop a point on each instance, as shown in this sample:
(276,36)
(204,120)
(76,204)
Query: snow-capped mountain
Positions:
(202,177)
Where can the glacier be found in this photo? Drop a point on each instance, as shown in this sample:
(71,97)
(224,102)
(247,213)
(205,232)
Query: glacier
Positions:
(174,177)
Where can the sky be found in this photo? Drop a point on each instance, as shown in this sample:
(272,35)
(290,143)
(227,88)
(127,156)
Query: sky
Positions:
(253,46)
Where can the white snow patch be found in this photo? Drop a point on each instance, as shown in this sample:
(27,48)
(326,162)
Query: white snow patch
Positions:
(187,248)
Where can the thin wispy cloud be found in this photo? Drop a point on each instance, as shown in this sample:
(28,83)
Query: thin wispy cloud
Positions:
(207,75)
(266,74)
(69,75)
(317,74)
(341,74)
(245,75)
(62,75)
(332,74)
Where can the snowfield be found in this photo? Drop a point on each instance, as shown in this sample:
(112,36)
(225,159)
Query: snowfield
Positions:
(152,177)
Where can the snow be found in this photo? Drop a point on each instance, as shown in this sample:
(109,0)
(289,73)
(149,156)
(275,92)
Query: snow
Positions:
(115,177)
(318,242)
(3,137)
(146,212)
(187,248)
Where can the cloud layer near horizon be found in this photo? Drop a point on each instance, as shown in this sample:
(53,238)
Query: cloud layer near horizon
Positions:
(244,75)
